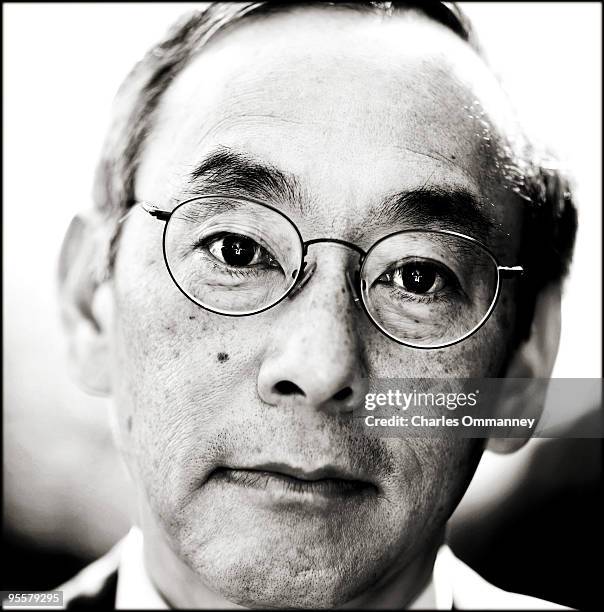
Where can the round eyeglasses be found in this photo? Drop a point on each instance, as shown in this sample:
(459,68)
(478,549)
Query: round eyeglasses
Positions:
(422,288)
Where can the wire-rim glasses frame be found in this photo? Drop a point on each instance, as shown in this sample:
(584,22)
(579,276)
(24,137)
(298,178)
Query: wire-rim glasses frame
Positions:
(303,275)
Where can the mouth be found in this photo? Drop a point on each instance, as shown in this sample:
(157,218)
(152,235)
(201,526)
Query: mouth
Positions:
(289,482)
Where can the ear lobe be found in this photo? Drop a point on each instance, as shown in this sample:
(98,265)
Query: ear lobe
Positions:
(533,359)
(86,305)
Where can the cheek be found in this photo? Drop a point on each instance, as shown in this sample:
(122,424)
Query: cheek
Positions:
(482,355)
(162,336)
(429,478)
(449,464)
(176,368)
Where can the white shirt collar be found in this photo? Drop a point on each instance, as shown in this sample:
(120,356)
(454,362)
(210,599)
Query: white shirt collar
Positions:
(135,591)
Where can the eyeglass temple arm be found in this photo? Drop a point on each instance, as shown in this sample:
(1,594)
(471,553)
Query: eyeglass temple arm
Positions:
(148,207)
(154,211)
(509,271)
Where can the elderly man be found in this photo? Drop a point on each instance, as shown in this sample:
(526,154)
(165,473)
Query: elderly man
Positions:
(295,200)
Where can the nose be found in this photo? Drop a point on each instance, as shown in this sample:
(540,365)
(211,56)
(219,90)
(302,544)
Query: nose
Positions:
(316,356)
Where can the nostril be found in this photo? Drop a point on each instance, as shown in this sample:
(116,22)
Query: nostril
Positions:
(286,387)
(343,394)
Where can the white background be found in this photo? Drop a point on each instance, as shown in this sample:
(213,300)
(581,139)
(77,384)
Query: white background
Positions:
(62,66)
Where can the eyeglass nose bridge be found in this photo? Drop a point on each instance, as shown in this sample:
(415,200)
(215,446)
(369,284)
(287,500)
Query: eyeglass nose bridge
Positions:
(350,245)
(353,283)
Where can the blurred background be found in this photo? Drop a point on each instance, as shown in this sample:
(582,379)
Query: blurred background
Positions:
(529,521)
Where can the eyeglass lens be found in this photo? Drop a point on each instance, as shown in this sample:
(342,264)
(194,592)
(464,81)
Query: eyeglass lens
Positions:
(232,256)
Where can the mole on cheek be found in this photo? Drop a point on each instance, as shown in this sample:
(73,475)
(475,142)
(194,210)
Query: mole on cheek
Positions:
(222,357)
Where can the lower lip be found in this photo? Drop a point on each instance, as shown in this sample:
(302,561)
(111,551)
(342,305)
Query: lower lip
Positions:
(278,487)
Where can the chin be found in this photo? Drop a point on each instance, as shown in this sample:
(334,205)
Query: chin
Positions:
(280,571)
(277,583)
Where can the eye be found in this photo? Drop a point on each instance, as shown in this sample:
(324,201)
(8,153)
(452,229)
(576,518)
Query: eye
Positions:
(239,251)
(419,277)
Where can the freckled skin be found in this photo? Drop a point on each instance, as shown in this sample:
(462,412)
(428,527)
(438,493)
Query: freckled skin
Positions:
(362,120)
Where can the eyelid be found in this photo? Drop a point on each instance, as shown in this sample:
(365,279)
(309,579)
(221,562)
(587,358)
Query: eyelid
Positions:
(266,259)
(449,276)
(443,277)
(442,268)
(257,247)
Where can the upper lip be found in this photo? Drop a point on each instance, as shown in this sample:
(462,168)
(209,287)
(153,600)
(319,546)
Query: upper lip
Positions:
(321,473)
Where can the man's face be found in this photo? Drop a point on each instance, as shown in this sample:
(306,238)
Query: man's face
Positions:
(356,109)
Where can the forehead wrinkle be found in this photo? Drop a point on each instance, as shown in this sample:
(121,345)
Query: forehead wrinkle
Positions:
(245,86)
(242,93)
(236,120)
(439,157)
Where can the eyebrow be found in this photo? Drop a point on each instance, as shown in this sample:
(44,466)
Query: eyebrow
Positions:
(435,207)
(227,172)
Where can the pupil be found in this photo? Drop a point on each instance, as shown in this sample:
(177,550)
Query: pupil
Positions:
(418,278)
(238,250)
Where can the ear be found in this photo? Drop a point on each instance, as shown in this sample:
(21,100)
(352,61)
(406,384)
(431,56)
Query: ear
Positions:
(86,303)
(533,359)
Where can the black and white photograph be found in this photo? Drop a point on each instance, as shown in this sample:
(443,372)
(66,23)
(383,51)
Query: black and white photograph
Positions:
(302,305)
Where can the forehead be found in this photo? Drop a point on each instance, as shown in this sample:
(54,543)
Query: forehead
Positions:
(353,105)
